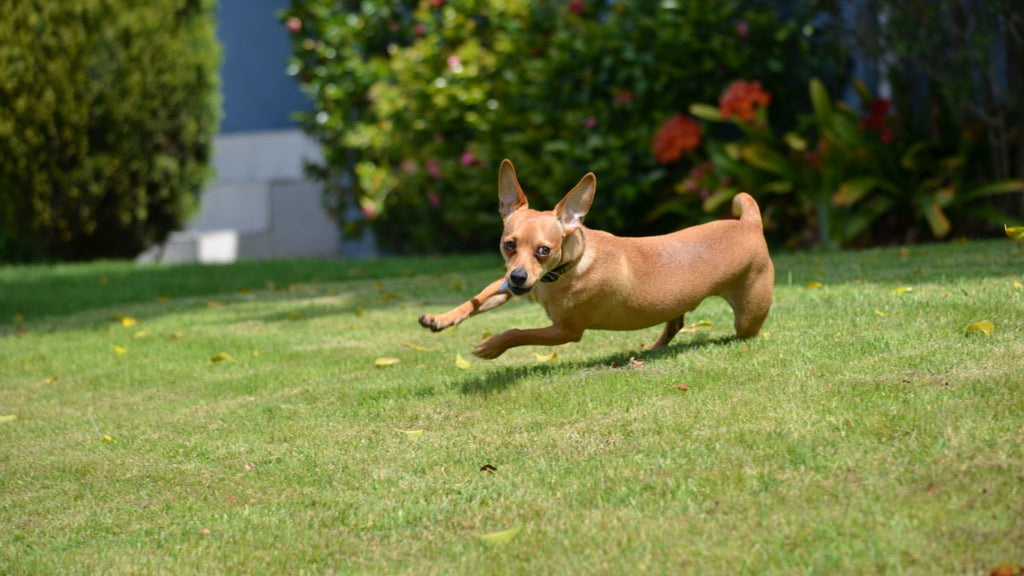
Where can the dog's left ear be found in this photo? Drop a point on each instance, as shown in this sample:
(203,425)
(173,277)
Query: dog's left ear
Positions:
(571,210)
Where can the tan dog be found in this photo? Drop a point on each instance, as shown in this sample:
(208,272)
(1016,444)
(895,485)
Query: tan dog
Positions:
(591,279)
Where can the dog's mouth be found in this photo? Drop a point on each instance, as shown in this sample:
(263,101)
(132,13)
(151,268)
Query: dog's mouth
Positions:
(518,290)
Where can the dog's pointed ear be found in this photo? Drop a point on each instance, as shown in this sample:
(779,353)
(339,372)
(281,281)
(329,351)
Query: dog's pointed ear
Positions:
(571,210)
(510,195)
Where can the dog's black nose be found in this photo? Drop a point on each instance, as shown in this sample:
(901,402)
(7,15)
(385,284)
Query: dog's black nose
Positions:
(517,277)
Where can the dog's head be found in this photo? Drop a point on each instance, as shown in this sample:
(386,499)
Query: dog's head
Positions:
(533,240)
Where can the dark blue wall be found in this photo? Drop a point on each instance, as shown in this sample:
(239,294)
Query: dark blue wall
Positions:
(258,95)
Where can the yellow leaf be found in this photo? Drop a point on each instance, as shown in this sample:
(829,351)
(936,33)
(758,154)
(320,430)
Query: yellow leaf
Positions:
(51,379)
(108,438)
(902,290)
(546,357)
(704,324)
(417,348)
(879,312)
(8,418)
(385,361)
(813,285)
(244,290)
(120,350)
(982,326)
(461,363)
(128,321)
(1017,285)
(177,336)
(140,334)
(411,433)
(222,357)
(1015,232)
(213,303)
(255,353)
(503,537)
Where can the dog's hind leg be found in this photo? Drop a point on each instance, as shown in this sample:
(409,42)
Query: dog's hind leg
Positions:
(672,327)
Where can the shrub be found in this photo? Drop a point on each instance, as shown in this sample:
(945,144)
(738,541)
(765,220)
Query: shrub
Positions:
(416,103)
(107,113)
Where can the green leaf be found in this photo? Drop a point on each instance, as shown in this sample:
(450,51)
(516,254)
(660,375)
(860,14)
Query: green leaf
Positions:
(778,187)
(910,157)
(821,103)
(995,188)
(937,220)
(795,141)
(852,191)
(706,112)
(718,198)
(766,159)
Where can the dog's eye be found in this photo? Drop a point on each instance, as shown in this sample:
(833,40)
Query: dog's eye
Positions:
(510,247)
(543,251)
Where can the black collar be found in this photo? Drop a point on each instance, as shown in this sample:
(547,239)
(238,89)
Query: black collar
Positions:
(556,273)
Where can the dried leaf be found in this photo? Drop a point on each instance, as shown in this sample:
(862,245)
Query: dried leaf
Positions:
(813,285)
(8,418)
(1006,570)
(51,379)
(902,290)
(140,334)
(120,351)
(880,313)
(503,537)
(981,326)
(411,433)
(1017,285)
(546,357)
(128,321)
(256,353)
(461,363)
(177,336)
(680,386)
(386,361)
(222,357)
(108,438)
(417,348)
(488,468)
(213,304)
(1014,232)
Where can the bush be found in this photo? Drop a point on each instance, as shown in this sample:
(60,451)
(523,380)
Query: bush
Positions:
(416,103)
(107,113)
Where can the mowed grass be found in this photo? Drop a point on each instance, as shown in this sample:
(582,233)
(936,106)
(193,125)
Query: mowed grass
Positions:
(866,431)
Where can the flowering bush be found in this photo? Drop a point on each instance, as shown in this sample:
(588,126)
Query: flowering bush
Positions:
(417,102)
(838,178)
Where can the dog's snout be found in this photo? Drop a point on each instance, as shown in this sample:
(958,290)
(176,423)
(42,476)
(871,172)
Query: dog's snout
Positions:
(517,277)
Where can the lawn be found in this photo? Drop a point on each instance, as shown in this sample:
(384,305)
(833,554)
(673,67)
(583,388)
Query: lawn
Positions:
(202,420)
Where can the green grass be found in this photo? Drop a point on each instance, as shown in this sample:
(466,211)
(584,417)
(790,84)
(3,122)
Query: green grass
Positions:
(864,432)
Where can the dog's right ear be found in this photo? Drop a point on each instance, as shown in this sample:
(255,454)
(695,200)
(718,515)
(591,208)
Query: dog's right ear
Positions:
(510,195)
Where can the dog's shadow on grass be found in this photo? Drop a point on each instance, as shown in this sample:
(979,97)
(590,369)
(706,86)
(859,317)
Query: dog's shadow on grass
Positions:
(496,381)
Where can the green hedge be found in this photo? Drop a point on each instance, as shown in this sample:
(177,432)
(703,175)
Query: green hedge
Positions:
(422,100)
(107,114)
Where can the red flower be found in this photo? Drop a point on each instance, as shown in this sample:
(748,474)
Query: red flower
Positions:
(875,119)
(677,135)
(741,99)
(577,6)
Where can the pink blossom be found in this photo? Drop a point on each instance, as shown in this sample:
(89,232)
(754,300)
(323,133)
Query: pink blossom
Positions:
(419,29)
(742,29)
(293,25)
(409,166)
(454,62)
(590,123)
(433,168)
(622,97)
(467,158)
(434,199)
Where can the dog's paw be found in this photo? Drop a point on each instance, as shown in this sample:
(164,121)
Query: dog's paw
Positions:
(489,349)
(430,321)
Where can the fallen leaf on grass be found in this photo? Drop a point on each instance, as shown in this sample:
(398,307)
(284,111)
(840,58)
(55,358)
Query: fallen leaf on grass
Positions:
(51,379)
(546,357)
(255,353)
(680,387)
(222,357)
(1017,285)
(386,361)
(128,321)
(981,326)
(902,290)
(244,290)
(488,468)
(704,324)
(411,433)
(813,285)
(503,537)
(412,346)
(177,336)
(108,438)
(8,418)
(213,304)
(140,334)
(879,313)
(102,280)
(1014,232)
(461,363)
(120,351)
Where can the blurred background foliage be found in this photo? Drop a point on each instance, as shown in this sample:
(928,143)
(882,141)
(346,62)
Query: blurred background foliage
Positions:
(416,102)
(108,110)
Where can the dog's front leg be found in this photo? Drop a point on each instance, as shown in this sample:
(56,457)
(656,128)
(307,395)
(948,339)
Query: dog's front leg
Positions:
(495,294)
(551,336)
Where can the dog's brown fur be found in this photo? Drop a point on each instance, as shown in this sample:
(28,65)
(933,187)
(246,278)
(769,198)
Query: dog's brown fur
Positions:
(611,283)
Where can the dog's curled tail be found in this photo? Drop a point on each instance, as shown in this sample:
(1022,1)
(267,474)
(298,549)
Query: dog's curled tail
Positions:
(744,207)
